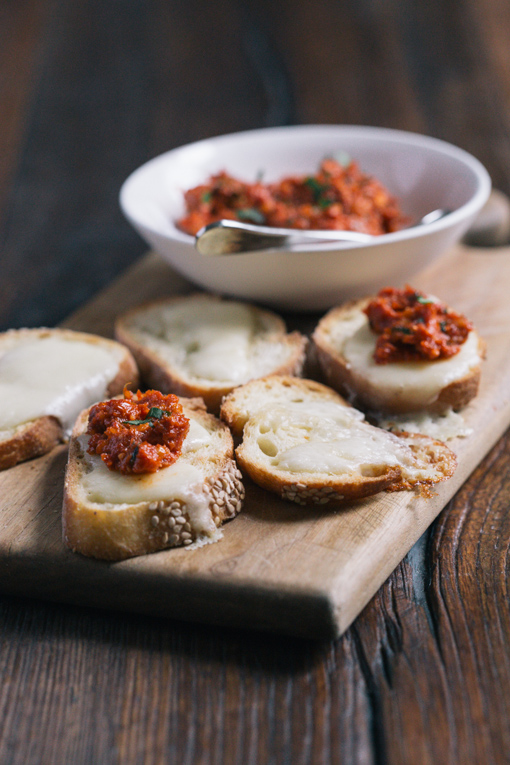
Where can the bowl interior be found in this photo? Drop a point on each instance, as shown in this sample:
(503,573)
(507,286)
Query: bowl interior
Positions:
(424,173)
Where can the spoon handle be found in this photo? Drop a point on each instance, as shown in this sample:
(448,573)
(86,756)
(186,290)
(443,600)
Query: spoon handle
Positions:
(228,237)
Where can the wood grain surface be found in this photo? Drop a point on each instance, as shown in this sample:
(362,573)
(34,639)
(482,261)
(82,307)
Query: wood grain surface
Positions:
(89,91)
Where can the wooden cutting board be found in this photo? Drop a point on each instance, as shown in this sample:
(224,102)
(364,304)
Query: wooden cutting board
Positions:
(279,567)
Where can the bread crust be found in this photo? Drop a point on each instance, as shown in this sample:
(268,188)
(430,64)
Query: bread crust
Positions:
(158,373)
(30,440)
(341,376)
(307,492)
(37,437)
(307,488)
(123,531)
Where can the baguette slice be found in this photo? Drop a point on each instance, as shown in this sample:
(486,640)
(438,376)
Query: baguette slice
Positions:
(302,441)
(47,376)
(203,345)
(110,516)
(344,344)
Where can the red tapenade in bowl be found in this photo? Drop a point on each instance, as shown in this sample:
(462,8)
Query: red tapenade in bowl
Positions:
(339,197)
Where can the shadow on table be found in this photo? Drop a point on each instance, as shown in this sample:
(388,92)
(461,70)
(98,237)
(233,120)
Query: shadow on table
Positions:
(57,624)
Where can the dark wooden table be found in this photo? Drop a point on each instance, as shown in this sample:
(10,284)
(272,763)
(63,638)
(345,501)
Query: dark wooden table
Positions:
(88,91)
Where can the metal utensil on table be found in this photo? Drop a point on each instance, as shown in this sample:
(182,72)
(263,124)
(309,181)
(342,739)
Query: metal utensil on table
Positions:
(229,237)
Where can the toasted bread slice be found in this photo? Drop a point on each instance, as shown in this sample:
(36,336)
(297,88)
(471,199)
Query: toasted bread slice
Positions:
(47,376)
(344,344)
(202,345)
(304,442)
(111,516)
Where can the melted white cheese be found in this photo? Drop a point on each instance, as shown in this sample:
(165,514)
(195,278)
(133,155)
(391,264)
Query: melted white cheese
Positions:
(53,376)
(418,383)
(209,340)
(326,437)
(197,436)
(442,427)
(110,487)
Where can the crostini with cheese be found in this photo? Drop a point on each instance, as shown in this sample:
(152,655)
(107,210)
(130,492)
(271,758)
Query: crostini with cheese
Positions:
(47,376)
(203,345)
(147,473)
(400,352)
(303,441)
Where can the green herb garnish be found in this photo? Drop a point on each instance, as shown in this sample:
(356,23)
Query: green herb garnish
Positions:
(444,326)
(424,300)
(315,187)
(319,192)
(251,214)
(403,330)
(207,196)
(342,158)
(155,413)
(134,455)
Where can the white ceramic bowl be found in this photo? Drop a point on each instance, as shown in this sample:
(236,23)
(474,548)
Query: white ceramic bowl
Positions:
(424,173)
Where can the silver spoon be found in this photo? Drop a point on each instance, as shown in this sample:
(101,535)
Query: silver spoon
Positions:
(229,237)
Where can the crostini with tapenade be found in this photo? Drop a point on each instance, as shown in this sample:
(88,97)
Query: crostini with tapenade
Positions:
(148,472)
(400,352)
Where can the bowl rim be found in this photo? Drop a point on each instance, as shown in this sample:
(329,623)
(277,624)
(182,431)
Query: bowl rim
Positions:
(456,217)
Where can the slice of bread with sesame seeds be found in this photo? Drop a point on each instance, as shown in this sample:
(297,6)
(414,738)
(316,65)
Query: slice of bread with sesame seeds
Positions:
(47,376)
(112,516)
(343,345)
(203,345)
(303,441)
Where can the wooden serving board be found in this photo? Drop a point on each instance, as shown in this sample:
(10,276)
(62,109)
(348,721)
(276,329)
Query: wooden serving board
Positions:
(279,567)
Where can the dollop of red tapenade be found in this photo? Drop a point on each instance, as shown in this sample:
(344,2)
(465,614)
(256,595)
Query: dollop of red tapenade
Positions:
(414,327)
(140,433)
(338,196)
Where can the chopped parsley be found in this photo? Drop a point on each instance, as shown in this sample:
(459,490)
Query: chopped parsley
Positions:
(251,214)
(319,192)
(155,413)
(342,157)
(315,187)
(134,455)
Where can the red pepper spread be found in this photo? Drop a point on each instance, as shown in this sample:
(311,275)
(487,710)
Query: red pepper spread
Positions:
(414,327)
(338,197)
(140,433)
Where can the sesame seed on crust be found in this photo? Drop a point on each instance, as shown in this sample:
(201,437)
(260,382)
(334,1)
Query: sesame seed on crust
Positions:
(170,521)
(302,495)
